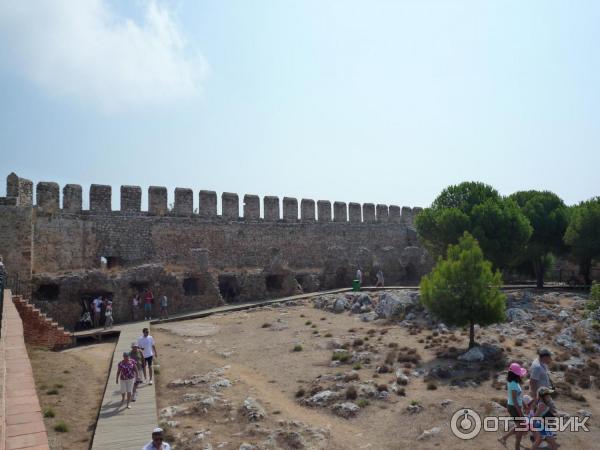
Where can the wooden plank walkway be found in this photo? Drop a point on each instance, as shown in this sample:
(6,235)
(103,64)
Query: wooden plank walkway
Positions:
(119,428)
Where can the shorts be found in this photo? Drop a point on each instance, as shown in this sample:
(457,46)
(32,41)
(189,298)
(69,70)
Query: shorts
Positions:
(127,385)
(519,421)
(163,307)
(149,361)
(541,428)
(147,307)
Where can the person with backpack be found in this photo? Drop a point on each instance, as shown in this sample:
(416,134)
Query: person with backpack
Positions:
(543,410)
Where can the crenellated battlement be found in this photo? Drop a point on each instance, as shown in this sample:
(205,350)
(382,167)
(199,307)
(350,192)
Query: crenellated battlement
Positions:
(20,193)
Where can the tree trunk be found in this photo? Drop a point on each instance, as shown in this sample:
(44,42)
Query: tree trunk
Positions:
(472,335)
(585,267)
(538,269)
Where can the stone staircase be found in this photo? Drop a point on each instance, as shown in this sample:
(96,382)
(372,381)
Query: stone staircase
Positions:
(39,329)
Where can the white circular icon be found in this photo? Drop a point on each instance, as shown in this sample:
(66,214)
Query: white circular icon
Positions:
(465,424)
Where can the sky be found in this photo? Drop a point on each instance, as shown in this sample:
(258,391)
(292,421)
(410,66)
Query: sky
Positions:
(342,100)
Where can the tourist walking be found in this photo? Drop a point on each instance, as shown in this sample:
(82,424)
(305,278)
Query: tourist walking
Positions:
(359,276)
(379,278)
(137,356)
(97,309)
(126,373)
(148,301)
(108,314)
(157,442)
(543,410)
(146,344)
(515,403)
(164,303)
(538,372)
(135,307)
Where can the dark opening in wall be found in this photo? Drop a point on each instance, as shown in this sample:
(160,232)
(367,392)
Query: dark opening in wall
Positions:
(47,292)
(229,288)
(411,277)
(139,286)
(274,282)
(342,278)
(192,286)
(109,262)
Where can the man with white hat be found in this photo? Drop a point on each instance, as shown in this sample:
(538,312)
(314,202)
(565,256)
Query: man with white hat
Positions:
(157,442)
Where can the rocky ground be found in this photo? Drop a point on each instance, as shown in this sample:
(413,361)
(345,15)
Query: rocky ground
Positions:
(369,370)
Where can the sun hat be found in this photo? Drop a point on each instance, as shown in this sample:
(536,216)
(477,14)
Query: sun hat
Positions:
(544,390)
(527,399)
(125,353)
(517,369)
(544,352)
(157,430)
(134,344)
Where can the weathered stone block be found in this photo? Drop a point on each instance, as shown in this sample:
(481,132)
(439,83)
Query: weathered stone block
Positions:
(230,204)
(394,214)
(307,210)
(251,207)
(324,210)
(407,216)
(100,197)
(184,202)
(355,212)
(208,204)
(48,196)
(271,208)
(290,209)
(19,188)
(131,198)
(157,200)
(382,213)
(340,212)
(368,212)
(72,198)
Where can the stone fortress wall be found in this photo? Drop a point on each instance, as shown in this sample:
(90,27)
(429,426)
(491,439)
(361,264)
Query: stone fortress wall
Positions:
(200,258)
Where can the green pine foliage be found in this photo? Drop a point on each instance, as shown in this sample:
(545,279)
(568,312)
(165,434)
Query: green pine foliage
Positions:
(462,289)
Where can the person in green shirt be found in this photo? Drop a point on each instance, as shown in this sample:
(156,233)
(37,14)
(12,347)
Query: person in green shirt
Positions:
(136,355)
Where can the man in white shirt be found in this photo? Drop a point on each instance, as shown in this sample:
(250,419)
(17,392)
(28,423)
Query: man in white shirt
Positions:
(146,344)
(97,304)
(359,276)
(157,442)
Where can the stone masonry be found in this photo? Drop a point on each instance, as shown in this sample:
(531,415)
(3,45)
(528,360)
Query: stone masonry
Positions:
(67,254)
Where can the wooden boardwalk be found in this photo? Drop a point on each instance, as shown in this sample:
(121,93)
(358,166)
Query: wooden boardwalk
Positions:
(119,428)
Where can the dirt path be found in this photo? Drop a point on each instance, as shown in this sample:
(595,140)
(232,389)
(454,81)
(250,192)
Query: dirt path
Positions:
(71,384)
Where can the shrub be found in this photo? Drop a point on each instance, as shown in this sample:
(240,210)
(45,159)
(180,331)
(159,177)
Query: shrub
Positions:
(308,322)
(362,403)
(432,386)
(328,335)
(265,325)
(52,392)
(49,412)
(59,386)
(358,342)
(357,366)
(61,427)
(341,356)
(300,393)
(401,392)
(297,348)
(382,387)
(351,393)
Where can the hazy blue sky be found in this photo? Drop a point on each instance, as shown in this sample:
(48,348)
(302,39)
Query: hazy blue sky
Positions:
(367,101)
